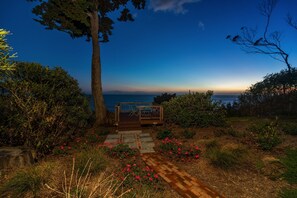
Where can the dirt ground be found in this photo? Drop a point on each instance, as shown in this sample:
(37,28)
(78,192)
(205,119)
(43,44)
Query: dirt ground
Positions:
(258,176)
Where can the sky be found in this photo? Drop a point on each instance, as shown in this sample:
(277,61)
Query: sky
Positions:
(172,46)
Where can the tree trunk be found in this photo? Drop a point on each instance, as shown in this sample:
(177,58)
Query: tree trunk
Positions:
(100,109)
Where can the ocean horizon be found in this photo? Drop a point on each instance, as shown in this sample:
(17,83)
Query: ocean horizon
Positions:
(111,100)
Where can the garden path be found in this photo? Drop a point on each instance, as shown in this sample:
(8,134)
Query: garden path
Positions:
(179,180)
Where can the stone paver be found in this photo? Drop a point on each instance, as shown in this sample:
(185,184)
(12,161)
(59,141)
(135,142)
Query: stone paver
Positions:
(135,139)
(179,180)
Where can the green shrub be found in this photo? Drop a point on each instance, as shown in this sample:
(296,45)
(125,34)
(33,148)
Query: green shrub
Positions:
(164,97)
(26,181)
(43,108)
(290,128)
(290,162)
(267,134)
(188,134)
(224,159)
(98,161)
(194,109)
(161,135)
(288,193)
(269,137)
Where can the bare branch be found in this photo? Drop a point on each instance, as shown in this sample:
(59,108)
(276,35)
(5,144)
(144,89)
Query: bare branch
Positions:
(269,44)
(291,21)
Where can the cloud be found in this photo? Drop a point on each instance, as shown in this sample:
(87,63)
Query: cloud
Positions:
(201,25)
(176,6)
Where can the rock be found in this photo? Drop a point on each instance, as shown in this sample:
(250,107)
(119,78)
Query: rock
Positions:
(14,157)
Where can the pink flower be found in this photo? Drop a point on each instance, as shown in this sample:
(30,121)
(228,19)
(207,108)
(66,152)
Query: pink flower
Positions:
(137,177)
(151,179)
(62,147)
(179,149)
(196,156)
(148,174)
(197,148)
(156,176)
(128,165)
(134,164)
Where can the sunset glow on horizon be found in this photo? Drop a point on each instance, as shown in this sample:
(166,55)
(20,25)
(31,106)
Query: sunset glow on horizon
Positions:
(170,47)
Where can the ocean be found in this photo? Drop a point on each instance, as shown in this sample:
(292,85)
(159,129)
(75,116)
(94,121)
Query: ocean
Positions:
(112,100)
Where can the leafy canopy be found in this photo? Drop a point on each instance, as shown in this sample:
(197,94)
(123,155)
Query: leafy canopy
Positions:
(72,16)
(5,56)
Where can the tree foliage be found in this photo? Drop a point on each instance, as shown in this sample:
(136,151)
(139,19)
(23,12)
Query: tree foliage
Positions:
(164,97)
(275,95)
(5,55)
(42,108)
(90,18)
(73,16)
(194,109)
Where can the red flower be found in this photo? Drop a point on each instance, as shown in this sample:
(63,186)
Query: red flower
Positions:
(137,177)
(151,179)
(196,156)
(62,147)
(156,176)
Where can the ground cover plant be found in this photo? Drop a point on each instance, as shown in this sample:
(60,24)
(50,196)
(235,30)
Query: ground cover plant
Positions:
(133,172)
(174,149)
(27,181)
(225,159)
(290,162)
(288,193)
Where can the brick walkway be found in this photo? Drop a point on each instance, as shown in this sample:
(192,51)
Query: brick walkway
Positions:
(179,180)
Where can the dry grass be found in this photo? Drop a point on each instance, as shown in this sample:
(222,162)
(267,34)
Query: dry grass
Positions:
(81,184)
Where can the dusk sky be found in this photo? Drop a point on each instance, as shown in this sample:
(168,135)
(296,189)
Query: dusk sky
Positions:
(172,46)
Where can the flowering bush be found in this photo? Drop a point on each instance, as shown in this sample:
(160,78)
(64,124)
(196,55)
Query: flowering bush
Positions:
(135,173)
(121,151)
(175,149)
